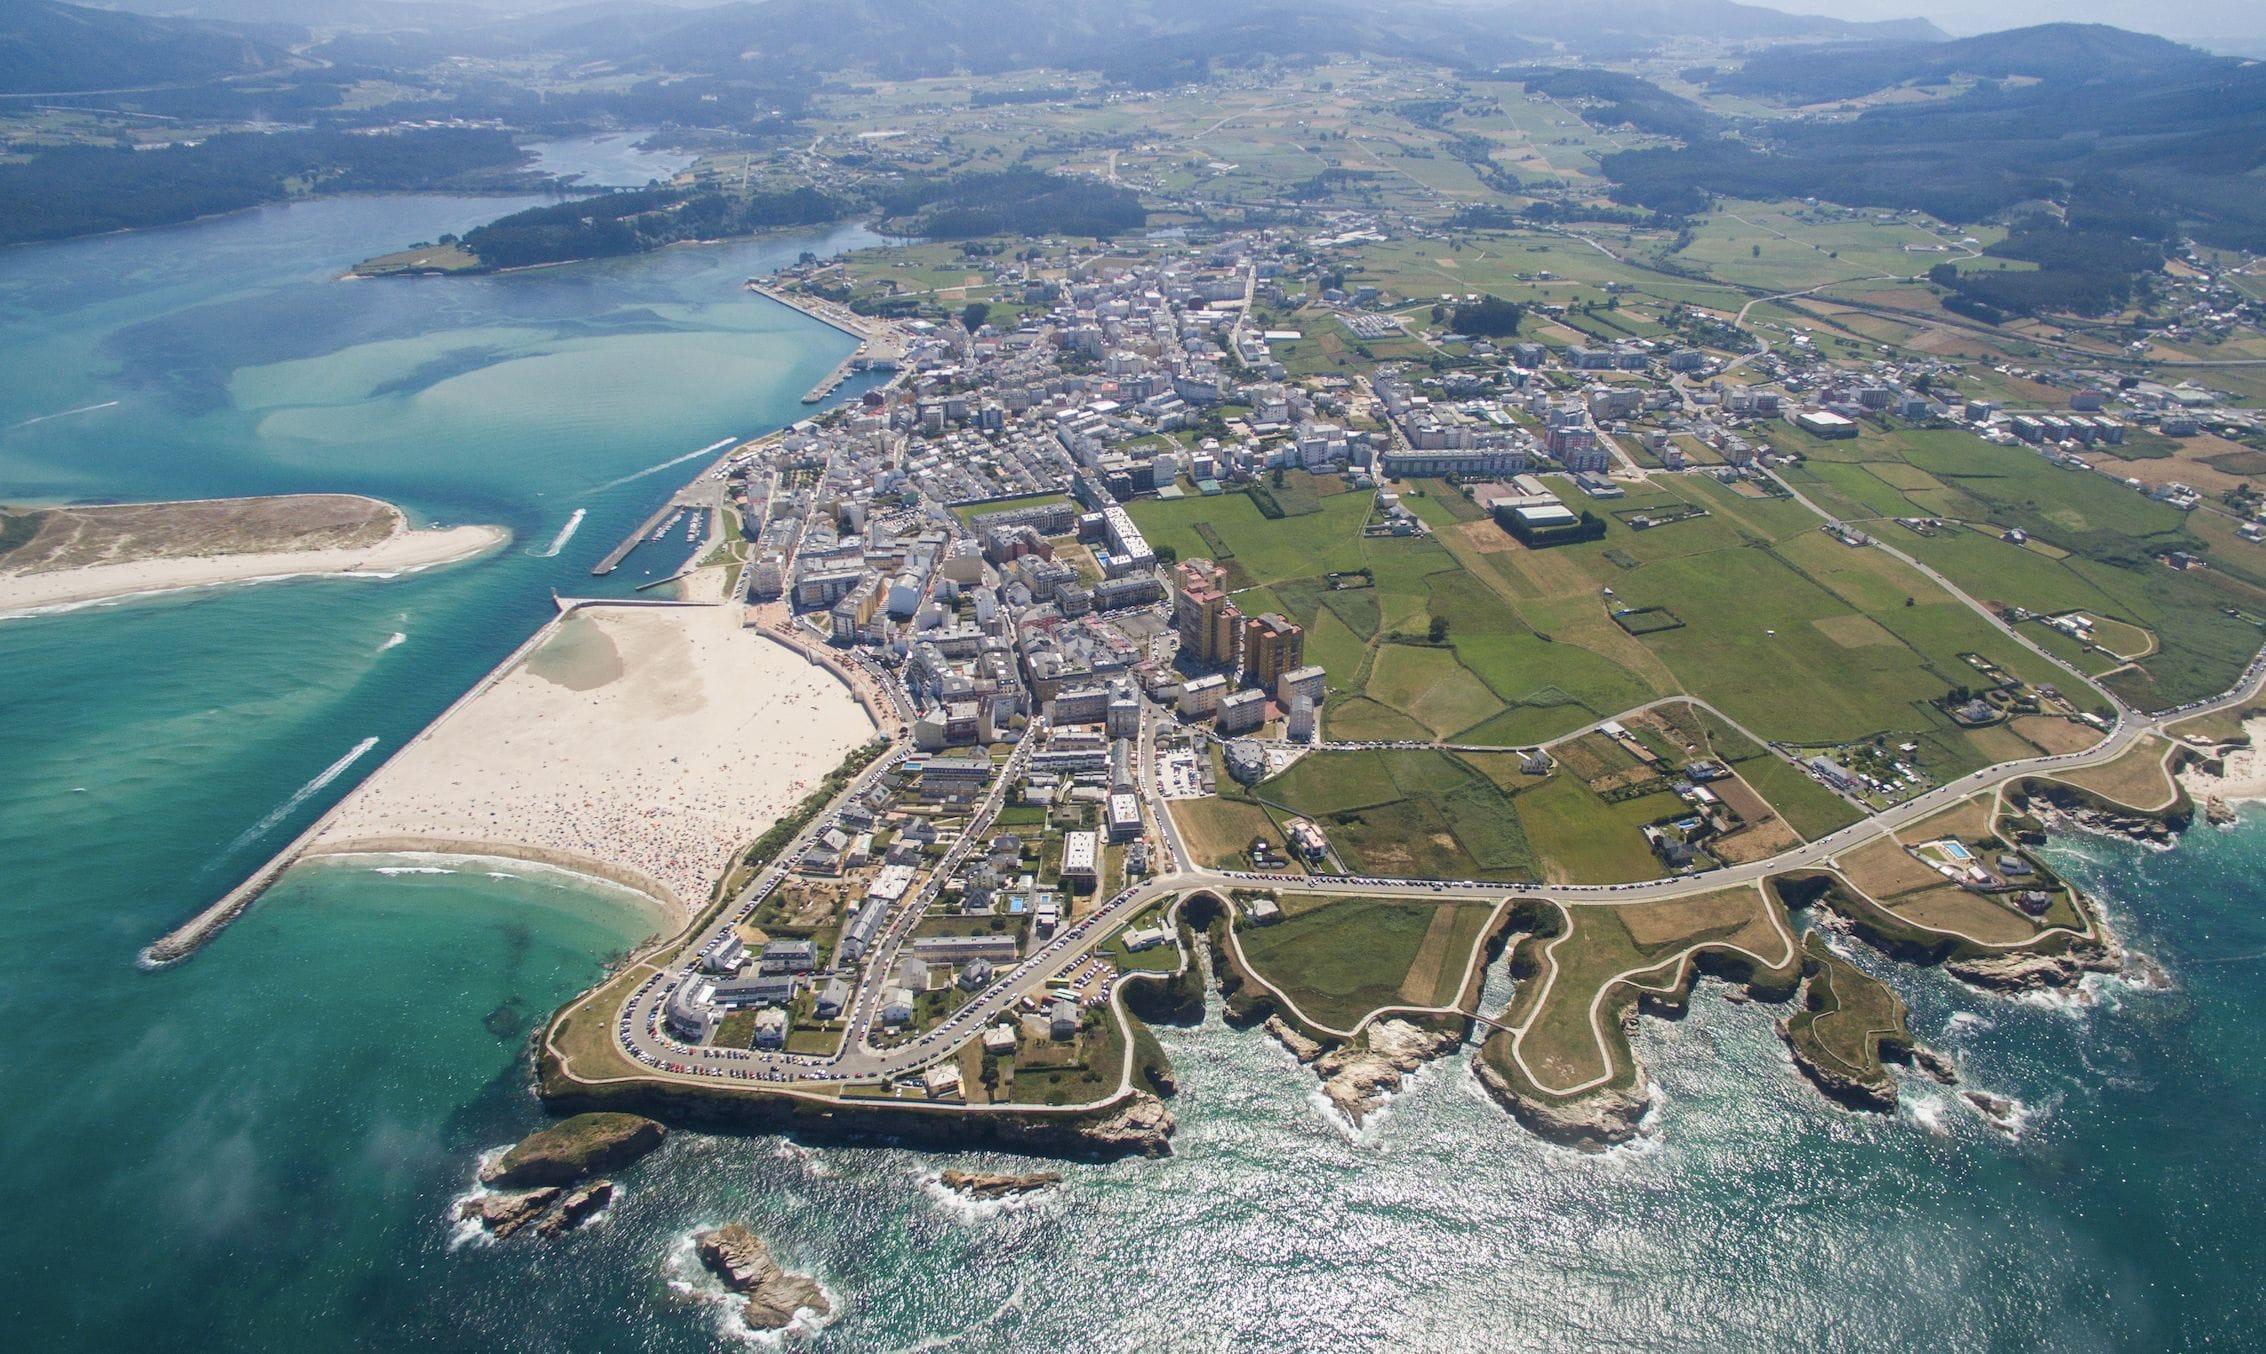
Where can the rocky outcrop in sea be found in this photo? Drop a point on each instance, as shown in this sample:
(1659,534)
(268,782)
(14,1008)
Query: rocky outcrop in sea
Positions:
(504,1215)
(740,1259)
(985,1185)
(550,1209)
(1356,1077)
(574,1149)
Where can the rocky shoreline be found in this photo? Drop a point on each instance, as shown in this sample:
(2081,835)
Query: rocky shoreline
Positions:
(1358,1075)
(2146,829)
(2019,971)
(1592,1122)
(1136,1123)
(2235,771)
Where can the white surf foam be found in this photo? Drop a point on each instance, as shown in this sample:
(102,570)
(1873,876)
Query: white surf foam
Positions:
(65,413)
(566,533)
(635,475)
(303,794)
(1013,1303)
(1928,1112)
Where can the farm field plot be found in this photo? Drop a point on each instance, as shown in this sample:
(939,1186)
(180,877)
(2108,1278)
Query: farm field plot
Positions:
(1581,839)
(1412,813)
(2092,548)
(1259,550)
(1339,958)
(1808,807)
(1218,831)
(1497,680)
(1804,248)
(2137,779)
(1430,686)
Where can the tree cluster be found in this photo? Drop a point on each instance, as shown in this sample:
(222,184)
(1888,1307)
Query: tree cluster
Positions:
(85,190)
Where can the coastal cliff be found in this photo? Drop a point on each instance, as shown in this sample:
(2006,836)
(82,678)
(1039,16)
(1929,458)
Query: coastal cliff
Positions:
(574,1149)
(1133,1123)
(1593,1121)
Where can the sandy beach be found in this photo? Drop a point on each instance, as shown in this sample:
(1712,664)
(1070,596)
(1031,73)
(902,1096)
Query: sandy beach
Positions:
(407,550)
(651,740)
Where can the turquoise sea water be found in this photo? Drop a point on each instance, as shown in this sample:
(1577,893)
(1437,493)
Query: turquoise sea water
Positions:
(258,1149)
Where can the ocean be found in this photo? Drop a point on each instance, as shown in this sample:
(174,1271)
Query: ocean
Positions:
(258,1149)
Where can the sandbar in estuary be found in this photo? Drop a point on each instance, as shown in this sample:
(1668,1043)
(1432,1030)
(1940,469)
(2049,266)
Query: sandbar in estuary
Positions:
(71,556)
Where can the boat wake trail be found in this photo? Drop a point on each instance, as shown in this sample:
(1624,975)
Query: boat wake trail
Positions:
(566,533)
(302,795)
(395,638)
(710,450)
(82,409)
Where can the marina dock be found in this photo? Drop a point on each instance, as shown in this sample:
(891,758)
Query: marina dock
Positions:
(833,380)
(644,533)
(702,494)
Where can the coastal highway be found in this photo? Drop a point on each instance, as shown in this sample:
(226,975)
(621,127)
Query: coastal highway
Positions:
(644,1040)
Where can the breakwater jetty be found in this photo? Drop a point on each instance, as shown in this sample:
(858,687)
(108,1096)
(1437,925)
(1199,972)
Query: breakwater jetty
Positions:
(879,346)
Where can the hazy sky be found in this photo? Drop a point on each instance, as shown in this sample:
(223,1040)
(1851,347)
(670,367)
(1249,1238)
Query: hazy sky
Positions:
(2224,25)
(2228,23)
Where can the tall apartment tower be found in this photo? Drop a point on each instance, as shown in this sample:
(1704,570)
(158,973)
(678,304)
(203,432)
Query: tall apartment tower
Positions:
(1272,646)
(1208,622)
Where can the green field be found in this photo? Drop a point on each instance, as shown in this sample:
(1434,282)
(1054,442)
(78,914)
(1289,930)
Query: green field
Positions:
(1563,1042)
(1497,679)
(2092,546)
(1338,959)
(1414,813)
(1801,638)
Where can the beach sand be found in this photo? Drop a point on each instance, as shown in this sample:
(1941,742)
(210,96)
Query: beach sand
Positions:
(651,740)
(404,551)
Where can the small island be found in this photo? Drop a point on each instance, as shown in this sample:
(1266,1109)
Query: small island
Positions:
(51,557)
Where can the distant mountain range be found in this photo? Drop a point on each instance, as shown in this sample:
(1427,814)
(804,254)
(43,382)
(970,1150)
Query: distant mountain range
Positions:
(2063,53)
(2129,123)
(1126,38)
(51,47)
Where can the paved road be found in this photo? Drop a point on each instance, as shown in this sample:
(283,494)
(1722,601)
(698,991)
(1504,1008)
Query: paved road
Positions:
(643,1037)
(644,1040)
(1992,617)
